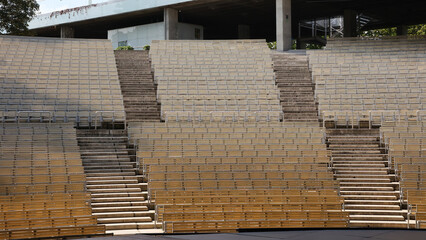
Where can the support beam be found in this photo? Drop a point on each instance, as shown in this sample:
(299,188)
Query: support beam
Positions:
(67,32)
(402,30)
(171,23)
(349,22)
(284,41)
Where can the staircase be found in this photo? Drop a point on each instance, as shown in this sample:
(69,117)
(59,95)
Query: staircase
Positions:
(137,86)
(297,91)
(117,190)
(369,187)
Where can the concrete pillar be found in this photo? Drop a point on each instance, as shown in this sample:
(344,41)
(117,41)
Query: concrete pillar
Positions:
(402,30)
(284,41)
(67,32)
(349,22)
(171,23)
(243,31)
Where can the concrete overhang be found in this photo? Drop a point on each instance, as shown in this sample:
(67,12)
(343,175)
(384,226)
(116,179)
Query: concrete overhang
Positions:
(102,10)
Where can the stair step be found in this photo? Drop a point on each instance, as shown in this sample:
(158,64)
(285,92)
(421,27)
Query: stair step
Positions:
(108,182)
(357,180)
(377,212)
(381,224)
(377,217)
(372,202)
(369,197)
(104,174)
(121,226)
(356,172)
(371,206)
(365,188)
(118,199)
(119,204)
(119,195)
(108,186)
(371,184)
(148,213)
(114,190)
(119,209)
(124,220)
(368,192)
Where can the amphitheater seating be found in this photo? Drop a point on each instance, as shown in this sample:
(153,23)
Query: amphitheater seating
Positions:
(220,177)
(407,151)
(357,76)
(215,80)
(42,183)
(43,79)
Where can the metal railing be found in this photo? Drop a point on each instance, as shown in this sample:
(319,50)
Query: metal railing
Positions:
(194,116)
(113,117)
(29,117)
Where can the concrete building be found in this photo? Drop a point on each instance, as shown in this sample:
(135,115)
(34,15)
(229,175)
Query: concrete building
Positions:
(138,22)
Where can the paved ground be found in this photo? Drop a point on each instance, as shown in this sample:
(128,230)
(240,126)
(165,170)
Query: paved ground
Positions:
(289,235)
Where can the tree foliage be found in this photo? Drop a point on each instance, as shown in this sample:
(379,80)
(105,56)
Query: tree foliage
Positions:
(15,15)
(416,30)
(125,48)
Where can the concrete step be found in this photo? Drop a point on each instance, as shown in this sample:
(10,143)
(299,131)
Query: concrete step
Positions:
(119,209)
(381,224)
(357,165)
(153,231)
(114,178)
(117,199)
(112,186)
(360,172)
(369,197)
(121,226)
(148,213)
(105,174)
(108,182)
(119,204)
(370,192)
(111,170)
(369,184)
(372,206)
(141,194)
(124,220)
(367,176)
(356,169)
(362,180)
(114,190)
(365,188)
(377,217)
(105,166)
(363,158)
(377,212)
(371,202)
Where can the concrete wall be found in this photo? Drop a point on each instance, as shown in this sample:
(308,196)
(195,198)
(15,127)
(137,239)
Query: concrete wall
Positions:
(137,36)
(142,35)
(186,31)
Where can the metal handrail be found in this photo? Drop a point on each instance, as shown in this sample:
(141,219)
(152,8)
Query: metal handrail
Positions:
(49,112)
(113,115)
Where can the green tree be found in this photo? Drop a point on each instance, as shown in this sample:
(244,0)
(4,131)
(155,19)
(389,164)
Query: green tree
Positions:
(15,15)
(416,30)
